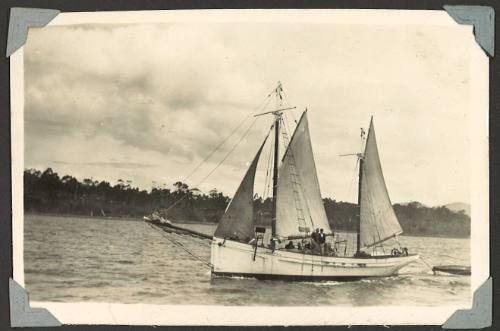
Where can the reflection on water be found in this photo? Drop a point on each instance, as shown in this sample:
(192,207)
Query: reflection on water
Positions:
(71,259)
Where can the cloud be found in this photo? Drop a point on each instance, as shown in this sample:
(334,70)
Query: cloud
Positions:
(119,165)
(109,99)
(108,83)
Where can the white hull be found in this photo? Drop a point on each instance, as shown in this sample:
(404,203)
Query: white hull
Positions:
(231,258)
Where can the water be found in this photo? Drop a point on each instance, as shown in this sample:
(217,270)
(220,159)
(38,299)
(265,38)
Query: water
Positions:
(69,259)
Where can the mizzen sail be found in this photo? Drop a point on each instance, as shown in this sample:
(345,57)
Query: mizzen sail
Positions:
(378,222)
(299,208)
(237,221)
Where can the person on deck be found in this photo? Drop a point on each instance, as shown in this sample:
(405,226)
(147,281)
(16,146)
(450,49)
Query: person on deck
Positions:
(314,241)
(322,239)
(314,235)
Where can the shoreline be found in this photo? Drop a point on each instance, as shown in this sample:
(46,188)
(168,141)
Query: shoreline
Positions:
(96,217)
(110,218)
(139,219)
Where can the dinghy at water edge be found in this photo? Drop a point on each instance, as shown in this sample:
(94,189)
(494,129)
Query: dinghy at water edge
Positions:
(453,269)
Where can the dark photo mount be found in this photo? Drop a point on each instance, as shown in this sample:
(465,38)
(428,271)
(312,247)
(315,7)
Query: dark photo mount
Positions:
(17,16)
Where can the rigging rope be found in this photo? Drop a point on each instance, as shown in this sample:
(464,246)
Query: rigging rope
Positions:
(217,166)
(285,97)
(350,192)
(180,245)
(267,180)
(216,148)
(228,153)
(288,126)
(264,103)
(427,264)
(285,133)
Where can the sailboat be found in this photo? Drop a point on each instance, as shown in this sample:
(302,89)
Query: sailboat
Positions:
(239,248)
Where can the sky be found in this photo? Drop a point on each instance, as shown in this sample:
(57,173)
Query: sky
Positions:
(148,102)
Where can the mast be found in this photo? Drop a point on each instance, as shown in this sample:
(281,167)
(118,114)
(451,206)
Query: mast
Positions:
(377,220)
(358,230)
(277,118)
(275,176)
(360,156)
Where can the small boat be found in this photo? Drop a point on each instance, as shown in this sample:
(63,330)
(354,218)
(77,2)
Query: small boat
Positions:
(453,269)
(239,247)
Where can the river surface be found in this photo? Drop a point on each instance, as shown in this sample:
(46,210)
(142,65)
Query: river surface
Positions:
(71,259)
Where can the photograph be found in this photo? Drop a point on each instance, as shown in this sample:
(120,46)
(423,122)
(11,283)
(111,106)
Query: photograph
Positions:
(256,159)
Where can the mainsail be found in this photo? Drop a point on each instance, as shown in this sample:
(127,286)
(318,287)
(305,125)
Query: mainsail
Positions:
(299,208)
(237,221)
(378,221)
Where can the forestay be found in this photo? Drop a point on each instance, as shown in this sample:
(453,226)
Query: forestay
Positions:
(378,222)
(237,221)
(299,207)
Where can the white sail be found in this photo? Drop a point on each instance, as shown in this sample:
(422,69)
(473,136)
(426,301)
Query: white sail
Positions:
(299,208)
(237,221)
(378,222)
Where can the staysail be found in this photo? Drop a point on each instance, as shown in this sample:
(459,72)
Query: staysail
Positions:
(299,208)
(378,222)
(237,221)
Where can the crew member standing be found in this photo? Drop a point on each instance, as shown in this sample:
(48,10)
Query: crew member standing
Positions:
(322,240)
(315,240)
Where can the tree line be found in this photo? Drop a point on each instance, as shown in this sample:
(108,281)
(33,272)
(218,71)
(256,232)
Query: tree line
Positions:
(47,192)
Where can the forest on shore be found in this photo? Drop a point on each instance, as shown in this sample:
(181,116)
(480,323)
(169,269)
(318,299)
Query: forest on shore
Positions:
(47,192)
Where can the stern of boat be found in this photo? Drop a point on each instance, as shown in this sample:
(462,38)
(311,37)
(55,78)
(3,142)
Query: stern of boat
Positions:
(405,260)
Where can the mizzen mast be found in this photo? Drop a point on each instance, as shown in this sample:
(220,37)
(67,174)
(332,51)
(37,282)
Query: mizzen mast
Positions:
(360,182)
(360,157)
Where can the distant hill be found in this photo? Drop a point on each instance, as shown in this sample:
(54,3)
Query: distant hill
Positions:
(459,206)
(414,203)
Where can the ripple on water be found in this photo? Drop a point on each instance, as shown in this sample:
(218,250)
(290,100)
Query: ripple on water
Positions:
(327,283)
(146,294)
(96,284)
(125,261)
